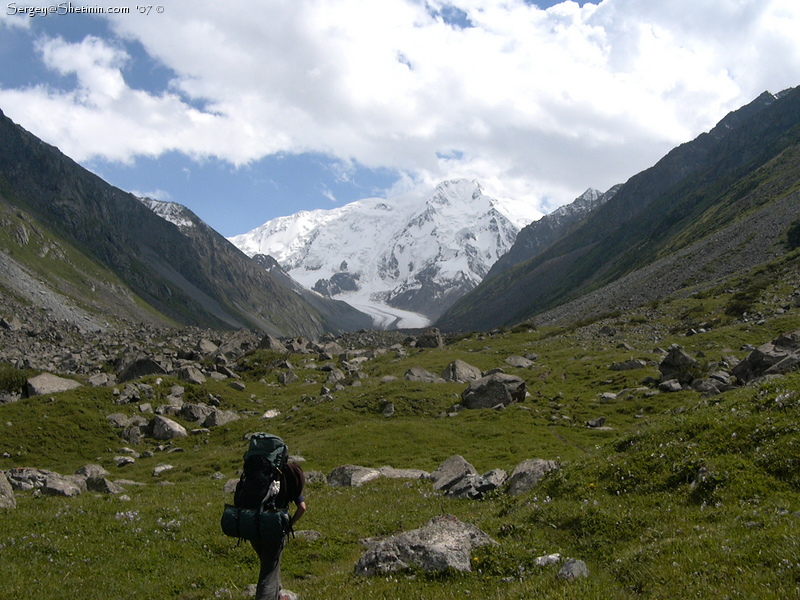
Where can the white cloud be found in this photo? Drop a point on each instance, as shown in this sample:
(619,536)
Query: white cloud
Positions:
(536,104)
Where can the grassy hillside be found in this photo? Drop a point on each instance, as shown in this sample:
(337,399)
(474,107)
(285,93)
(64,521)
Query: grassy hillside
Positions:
(624,500)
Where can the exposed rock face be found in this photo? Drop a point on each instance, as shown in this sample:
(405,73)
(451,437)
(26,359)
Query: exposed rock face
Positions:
(444,543)
(492,390)
(458,478)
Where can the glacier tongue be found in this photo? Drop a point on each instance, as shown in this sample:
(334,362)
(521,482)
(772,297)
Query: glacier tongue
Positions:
(402,260)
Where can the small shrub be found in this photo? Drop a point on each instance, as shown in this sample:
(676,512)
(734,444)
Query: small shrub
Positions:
(11,379)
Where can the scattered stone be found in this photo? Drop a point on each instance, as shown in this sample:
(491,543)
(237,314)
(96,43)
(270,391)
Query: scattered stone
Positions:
(162,468)
(629,365)
(420,374)
(217,417)
(573,569)
(527,475)
(430,338)
(548,559)
(102,485)
(88,471)
(7,499)
(56,485)
(167,429)
(492,390)
(238,386)
(270,343)
(450,472)
(677,364)
(191,374)
(777,357)
(598,422)
(460,372)
(141,367)
(47,383)
(351,476)
(444,543)
(671,385)
(519,362)
(392,473)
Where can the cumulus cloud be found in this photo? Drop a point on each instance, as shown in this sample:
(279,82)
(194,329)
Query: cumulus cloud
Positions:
(537,104)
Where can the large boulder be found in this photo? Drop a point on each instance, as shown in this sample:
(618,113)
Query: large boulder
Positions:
(460,372)
(47,383)
(527,475)
(494,389)
(777,357)
(443,544)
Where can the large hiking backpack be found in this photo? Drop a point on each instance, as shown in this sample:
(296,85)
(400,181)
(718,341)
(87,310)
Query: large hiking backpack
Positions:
(264,463)
(258,512)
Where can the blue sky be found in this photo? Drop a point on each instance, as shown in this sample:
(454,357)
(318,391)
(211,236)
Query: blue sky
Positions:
(245,114)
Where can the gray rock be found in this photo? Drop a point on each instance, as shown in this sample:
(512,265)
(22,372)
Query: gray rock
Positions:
(492,390)
(191,374)
(628,365)
(47,383)
(598,422)
(195,412)
(167,429)
(270,343)
(392,473)
(420,374)
(519,362)
(91,470)
(527,474)
(450,472)
(573,569)
(141,367)
(102,485)
(206,346)
(677,364)
(309,535)
(671,385)
(7,499)
(56,485)
(430,338)
(774,358)
(118,420)
(460,372)
(220,417)
(288,377)
(444,543)
(351,476)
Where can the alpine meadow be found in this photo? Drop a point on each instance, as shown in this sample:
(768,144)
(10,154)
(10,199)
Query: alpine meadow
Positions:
(613,411)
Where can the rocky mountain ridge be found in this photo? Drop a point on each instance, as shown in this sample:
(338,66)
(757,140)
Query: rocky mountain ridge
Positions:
(103,250)
(737,182)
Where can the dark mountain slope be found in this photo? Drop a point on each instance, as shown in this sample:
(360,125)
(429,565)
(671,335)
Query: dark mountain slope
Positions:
(697,189)
(194,279)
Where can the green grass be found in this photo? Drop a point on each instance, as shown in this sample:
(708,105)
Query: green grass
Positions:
(625,499)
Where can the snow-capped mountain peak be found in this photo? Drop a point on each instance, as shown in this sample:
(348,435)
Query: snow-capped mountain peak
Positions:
(404,260)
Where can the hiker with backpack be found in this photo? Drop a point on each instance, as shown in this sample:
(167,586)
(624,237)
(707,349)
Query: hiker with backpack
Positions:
(260,512)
